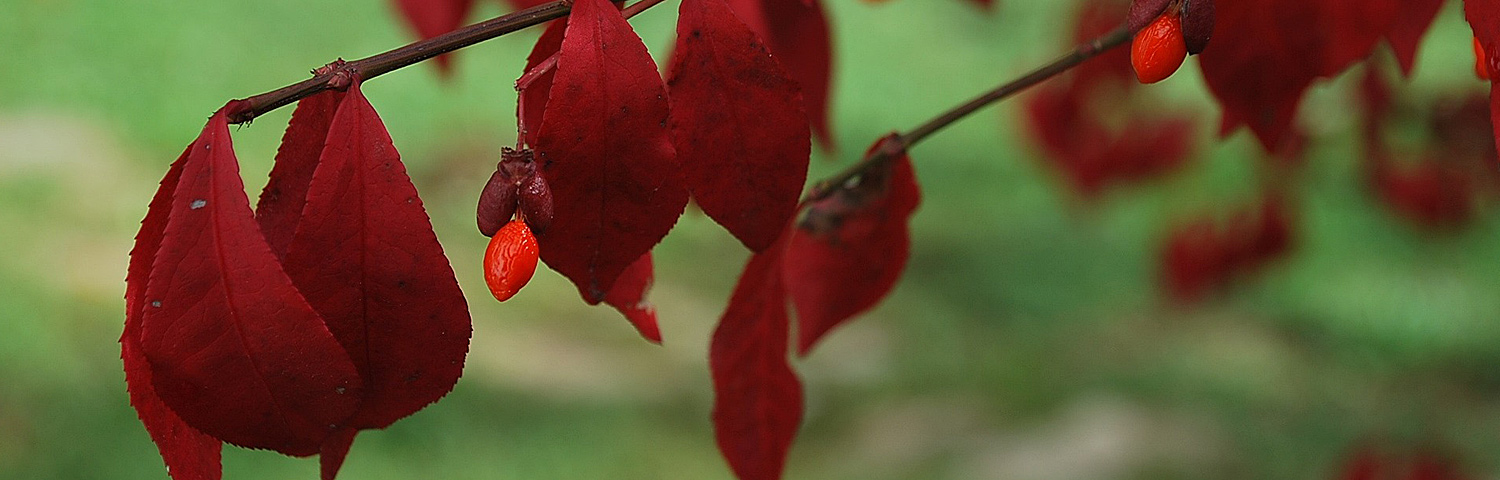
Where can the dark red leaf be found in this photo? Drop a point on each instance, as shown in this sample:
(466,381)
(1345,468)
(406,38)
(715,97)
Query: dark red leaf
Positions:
(430,18)
(234,348)
(280,207)
(335,449)
(850,250)
(532,101)
(188,453)
(606,152)
(1266,53)
(741,135)
(1430,194)
(629,297)
(1090,155)
(1202,257)
(367,260)
(757,396)
(1410,24)
(797,33)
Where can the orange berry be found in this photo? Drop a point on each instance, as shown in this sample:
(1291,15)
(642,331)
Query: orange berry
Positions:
(1481,62)
(1159,49)
(510,259)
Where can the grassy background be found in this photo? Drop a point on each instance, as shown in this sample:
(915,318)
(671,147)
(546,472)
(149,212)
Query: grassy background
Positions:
(1026,341)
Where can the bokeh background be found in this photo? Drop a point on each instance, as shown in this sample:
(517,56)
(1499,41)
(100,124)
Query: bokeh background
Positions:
(1029,338)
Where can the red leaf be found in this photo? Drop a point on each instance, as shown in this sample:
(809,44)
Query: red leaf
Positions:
(1200,258)
(366,258)
(234,348)
(741,135)
(606,152)
(335,449)
(757,396)
(280,207)
(1093,157)
(1430,194)
(1266,53)
(851,249)
(1406,31)
(797,33)
(188,453)
(431,18)
(629,297)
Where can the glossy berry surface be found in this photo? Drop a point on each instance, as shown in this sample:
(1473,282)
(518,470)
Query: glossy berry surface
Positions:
(1159,49)
(510,259)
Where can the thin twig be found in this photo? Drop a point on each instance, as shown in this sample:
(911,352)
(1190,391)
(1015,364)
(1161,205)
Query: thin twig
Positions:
(366,68)
(896,145)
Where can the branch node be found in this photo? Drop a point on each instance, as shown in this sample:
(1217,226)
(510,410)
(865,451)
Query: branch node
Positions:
(340,74)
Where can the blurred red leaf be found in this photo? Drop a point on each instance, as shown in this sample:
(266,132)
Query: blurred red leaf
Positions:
(1203,255)
(234,348)
(606,152)
(188,453)
(1266,53)
(851,249)
(741,135)
(1090,155)
(366,258)
(797,33)
(758,398)
(1430,194)
(430,18)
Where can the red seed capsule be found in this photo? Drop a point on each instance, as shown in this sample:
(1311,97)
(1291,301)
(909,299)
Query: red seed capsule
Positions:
(510,260)
(1481,63)
(1159,49)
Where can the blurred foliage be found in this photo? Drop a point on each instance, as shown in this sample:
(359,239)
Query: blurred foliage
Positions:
(1028,339)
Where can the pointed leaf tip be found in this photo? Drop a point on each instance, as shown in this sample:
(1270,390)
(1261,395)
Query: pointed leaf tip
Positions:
(614,178)
(629,297)
(234,348)
(367,259)
(757,395)
(740,131)
(188,453)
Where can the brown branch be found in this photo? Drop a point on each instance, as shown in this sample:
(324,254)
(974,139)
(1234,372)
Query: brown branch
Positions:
(895,146)
(366,68)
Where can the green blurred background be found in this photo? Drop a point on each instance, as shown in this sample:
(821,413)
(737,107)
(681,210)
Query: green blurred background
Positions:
(1028,339)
